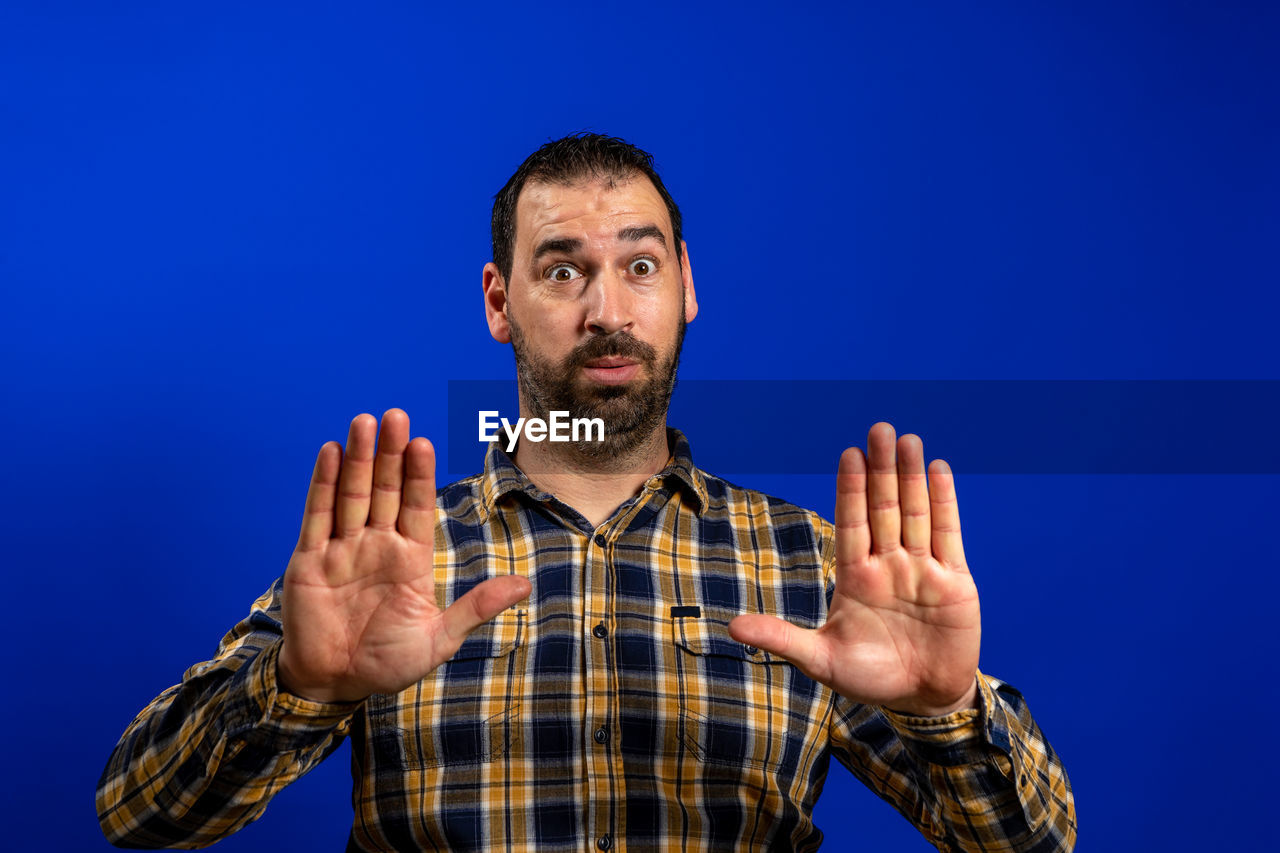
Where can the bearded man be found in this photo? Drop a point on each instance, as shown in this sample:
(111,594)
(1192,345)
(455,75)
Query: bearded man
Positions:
(595,643)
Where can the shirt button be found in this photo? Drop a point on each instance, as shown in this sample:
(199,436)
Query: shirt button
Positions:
(600,542)
(604,842)
(601,735)
(752,650)
(600,631)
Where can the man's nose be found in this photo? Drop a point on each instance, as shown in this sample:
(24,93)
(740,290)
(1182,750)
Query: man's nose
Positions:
(609,304)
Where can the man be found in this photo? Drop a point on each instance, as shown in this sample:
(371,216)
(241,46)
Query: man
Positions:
(582,645)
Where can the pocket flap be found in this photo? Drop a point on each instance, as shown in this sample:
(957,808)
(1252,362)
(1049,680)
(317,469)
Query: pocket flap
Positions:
(703,636)
(494,639)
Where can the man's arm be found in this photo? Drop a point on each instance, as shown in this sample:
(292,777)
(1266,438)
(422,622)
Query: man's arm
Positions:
(978,779)
(206,756)
(355,614)
(903,632)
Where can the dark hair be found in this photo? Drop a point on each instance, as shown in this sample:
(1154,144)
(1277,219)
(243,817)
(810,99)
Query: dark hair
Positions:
(565,161)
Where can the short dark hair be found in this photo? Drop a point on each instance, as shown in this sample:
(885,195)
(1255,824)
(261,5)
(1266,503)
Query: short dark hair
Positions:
(566,161)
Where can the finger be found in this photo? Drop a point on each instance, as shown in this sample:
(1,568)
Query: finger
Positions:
(356,481)
(853,535)
(388,470)
(779,637)
(945,514)
(317,513)
(418,499)
(882,490)
(485,601)
(913,491)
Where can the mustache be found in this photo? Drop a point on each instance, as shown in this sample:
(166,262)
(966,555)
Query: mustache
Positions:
(619,344)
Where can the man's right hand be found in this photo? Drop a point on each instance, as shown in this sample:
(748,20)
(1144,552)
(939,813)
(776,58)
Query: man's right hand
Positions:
(359,609)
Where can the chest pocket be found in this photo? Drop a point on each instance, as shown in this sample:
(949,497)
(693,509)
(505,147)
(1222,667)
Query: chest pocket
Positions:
(466,712)
(740,705)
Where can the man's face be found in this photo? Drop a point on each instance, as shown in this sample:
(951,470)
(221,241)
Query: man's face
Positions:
(596,306)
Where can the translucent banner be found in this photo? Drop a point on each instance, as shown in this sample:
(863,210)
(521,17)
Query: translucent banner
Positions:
(978,426)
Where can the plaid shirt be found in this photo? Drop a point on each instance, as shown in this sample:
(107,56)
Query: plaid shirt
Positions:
(611,707)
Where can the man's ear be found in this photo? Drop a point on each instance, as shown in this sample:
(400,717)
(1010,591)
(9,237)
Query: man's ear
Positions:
(495,304)
(686,276)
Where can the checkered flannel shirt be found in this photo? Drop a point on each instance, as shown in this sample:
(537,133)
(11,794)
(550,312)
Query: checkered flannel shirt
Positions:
(610,709)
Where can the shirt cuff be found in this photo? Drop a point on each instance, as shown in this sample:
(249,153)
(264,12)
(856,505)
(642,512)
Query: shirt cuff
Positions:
(961,737)
(263,711)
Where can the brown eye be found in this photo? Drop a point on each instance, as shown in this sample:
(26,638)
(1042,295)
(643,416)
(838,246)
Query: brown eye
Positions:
(563,273)
(643,267)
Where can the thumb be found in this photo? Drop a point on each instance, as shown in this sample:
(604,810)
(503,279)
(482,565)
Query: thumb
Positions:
(485,601)
(779,637)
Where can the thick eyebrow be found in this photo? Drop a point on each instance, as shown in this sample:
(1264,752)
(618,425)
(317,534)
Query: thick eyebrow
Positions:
(569,245)
(636,233)
(557,245)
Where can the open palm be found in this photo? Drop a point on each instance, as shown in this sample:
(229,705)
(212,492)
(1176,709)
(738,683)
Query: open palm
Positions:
(359,610)
(904,628)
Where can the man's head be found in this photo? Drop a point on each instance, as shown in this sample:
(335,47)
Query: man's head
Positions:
(573,159)
(593,288)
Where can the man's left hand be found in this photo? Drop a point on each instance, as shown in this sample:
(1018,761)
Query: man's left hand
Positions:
(903,628)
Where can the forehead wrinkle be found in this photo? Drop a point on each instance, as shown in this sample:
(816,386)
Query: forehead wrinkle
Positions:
(572,218)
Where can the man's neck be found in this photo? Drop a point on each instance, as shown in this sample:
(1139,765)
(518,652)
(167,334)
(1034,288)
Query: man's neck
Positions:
(595,488)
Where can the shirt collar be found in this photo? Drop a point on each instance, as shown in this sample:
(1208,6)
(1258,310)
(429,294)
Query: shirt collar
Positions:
(501,475)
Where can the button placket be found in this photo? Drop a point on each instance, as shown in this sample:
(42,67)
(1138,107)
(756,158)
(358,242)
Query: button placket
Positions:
(601,776)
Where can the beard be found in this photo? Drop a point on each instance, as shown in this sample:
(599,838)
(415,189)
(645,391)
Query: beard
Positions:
(630,412)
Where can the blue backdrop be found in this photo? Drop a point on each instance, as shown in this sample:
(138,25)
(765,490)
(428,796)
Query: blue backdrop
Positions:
(225,229)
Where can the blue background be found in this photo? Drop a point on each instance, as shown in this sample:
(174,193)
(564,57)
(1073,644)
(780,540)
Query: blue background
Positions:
(227,228)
